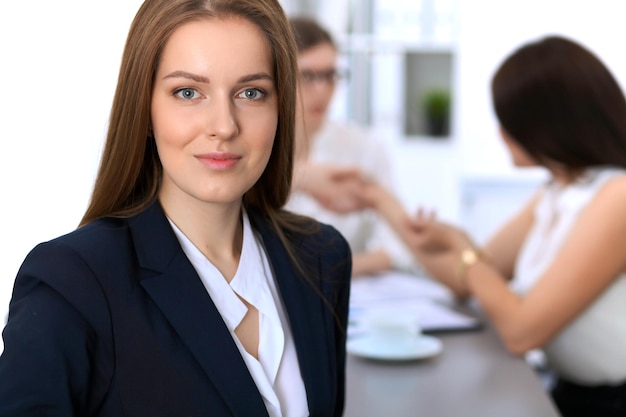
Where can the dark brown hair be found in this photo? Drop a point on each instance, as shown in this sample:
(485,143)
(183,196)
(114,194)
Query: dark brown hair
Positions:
(308,33)
(560,103)
(130,172)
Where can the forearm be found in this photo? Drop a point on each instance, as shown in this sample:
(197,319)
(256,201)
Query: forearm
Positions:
(445,269)
(390,208)
(441,267)
(370,263)
(503,307)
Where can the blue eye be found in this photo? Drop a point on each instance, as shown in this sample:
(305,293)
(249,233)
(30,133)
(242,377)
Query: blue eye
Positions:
(186,93)
(252,94)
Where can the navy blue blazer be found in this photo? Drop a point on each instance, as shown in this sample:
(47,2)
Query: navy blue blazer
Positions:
(112,320)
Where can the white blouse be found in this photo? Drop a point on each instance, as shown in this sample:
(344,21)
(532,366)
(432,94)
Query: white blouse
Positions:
(592,348)
(276,372)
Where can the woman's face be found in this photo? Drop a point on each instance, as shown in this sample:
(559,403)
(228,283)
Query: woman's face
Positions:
(317,67)
(214,110)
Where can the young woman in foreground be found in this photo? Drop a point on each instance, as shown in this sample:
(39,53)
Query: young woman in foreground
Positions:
(187,290)
(553,276)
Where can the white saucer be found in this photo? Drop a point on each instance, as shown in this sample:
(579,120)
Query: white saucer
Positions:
(419,348)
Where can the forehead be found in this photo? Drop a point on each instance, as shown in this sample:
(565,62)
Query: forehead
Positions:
(320,56)
(217,44)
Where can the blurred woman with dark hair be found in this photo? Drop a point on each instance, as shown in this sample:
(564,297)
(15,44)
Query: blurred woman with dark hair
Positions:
(553,276)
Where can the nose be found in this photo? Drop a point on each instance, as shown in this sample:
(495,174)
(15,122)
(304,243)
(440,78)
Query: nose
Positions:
(222,119)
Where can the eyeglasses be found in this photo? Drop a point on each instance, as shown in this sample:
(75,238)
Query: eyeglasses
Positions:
(331,76)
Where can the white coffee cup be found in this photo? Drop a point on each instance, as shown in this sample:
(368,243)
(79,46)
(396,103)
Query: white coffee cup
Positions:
(392,330)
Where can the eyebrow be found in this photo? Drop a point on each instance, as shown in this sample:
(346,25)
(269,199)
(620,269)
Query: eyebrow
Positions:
(187,75)
(255,77)
(203,79)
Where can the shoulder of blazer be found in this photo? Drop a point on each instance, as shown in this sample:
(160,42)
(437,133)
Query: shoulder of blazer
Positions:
(312,239)
(145,237)
(74,264)
(320,249)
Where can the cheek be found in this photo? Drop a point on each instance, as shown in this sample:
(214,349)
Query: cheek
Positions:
(161,126)
(268,142)
(265,143)
(307,101)
(261,127)
(318,95)
(520,157)
(173,129)
(328,94)
(170,138)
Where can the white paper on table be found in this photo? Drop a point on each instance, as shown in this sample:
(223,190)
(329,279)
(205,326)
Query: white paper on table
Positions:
(430,301)
(392,285)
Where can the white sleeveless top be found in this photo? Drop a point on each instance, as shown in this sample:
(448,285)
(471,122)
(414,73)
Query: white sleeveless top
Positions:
(592,348)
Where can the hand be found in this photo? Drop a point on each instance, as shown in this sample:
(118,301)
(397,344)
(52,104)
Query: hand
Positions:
(430,236)
(374,195)
(338,189)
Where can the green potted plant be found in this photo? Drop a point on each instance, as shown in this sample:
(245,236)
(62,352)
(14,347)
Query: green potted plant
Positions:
(436,105)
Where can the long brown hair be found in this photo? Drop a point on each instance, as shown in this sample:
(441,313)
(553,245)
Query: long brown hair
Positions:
(130,172)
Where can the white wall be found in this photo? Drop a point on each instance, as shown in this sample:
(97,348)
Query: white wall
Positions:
(59,63)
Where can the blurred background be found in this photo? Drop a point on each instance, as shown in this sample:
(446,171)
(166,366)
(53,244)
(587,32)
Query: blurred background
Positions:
(59,62)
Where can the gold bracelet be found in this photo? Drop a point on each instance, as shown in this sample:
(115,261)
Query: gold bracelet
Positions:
(469,257)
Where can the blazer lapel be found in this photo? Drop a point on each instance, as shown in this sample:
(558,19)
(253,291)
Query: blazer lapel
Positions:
(173,284)
(310,319)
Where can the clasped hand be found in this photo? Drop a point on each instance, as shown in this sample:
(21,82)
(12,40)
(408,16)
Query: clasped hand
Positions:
(339,189)
(431,237)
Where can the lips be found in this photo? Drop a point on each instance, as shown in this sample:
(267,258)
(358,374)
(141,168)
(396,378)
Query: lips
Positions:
(219,160)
